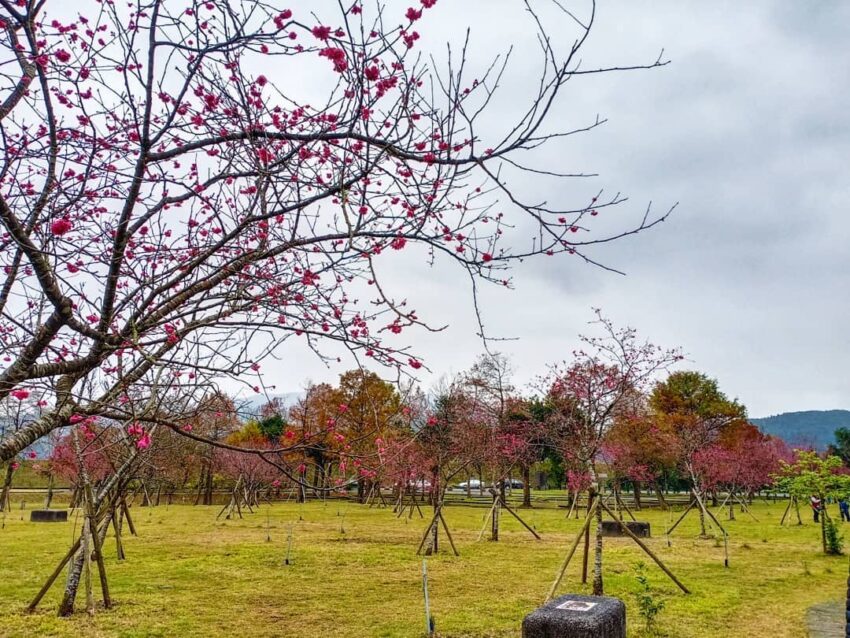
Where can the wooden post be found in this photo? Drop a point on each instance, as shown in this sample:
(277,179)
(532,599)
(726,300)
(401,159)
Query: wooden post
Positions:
(429,624)
(586,556)
(494,527)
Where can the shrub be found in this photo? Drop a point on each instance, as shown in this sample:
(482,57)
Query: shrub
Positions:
(834,540)
(648,605)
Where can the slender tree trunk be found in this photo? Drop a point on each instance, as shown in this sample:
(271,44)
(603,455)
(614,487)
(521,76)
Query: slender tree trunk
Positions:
(5,496)
(208,485)
(636,487)
(49,498)
(201,480)
(75,572)
(702,521)
(598,585)
(526,486)
(660,494)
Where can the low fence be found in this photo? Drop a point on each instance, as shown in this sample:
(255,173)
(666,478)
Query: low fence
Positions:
(452,498)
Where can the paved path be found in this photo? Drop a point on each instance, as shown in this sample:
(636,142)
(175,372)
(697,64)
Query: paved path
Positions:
(826,620)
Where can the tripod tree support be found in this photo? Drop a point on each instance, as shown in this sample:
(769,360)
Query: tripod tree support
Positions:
(435,520)
(648,551)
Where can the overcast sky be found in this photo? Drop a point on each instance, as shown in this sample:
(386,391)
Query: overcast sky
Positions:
(747,129)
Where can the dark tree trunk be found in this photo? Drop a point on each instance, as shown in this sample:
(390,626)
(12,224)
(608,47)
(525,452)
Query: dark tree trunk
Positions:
(526,486)
(208,487)
(660,494)
(637,487)
(49,498)
(201,480)
(5,495)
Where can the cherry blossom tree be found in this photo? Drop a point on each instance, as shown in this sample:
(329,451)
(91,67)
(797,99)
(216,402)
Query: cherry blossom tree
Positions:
(604,382)
(172,211)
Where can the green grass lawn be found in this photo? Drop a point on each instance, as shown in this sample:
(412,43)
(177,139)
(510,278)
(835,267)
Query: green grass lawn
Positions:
(355,573)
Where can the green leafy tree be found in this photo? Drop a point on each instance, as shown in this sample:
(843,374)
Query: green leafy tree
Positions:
(811,475)
(841,447)
(272,427)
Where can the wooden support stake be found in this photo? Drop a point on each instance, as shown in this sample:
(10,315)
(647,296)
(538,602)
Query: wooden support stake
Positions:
(98,550)
(649,552)
(746,508)
(428,529)
(681,518)
(524,524)
(787,510)
(449,534)
(126,510)
(568,558)
(486,520)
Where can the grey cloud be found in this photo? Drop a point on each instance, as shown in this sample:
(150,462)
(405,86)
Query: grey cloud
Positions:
(748,130)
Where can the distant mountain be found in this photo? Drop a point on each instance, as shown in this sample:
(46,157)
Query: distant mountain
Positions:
(811,428)
(251,407)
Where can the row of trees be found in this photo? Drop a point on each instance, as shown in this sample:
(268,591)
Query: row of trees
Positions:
(613,414)
(607,414)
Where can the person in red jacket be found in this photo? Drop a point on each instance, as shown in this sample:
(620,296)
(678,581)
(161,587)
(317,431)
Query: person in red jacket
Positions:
(817,506)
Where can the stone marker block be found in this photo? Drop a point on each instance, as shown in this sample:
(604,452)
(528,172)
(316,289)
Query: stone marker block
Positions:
(638,528)
(48,516)
(576,616)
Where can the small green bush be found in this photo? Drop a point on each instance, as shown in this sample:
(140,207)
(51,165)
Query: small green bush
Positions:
(648,605)
(834,540)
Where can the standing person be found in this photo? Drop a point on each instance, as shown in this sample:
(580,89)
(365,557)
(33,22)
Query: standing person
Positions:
(844,507)
(816,504)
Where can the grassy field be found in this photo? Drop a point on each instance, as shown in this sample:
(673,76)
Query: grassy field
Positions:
(354,573)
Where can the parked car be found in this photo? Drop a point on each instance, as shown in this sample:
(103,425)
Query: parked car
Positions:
(473,484)
(514,484)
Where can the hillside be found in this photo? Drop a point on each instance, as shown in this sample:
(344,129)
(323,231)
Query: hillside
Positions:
(813,427)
